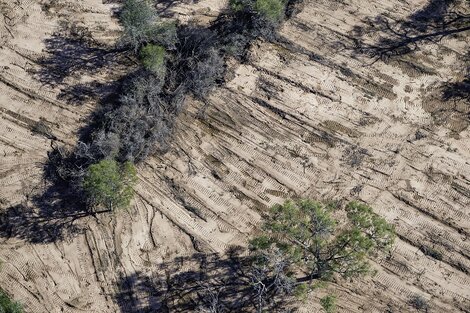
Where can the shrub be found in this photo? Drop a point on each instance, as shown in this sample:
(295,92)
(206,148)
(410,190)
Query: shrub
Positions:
(197,63)
(137,125)
(205,73)
(273,10)
(137,18)
(419,303)
(328,303)
(9,306)
(141,25)
(110,185)
(165,34)
(153,59)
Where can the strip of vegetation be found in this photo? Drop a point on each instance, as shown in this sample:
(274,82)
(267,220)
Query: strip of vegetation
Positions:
(177,61)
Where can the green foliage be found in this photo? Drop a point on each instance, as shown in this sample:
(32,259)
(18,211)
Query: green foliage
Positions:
(109,184)
(141,25)
(315,243)
(9,306)
(301,291)
(328,303)
(237,5)
(153,58)
(273,10)
(137,19)
(376,228)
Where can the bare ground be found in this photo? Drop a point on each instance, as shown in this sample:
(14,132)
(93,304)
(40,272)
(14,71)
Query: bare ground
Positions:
(303,117)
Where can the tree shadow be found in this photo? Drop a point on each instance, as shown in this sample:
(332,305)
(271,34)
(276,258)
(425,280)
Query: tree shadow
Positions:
(72,53)
(52,216)
(459,90)
(436,20)
(395,39)
(69,57)
(52,212)
(213,283)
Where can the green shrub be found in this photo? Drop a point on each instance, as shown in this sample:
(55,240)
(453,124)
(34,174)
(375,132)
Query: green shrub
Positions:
(273,10)
(9,306)
(137,18)
(109,184)
(237,5)
(153,58)
(142,25)
(328,303)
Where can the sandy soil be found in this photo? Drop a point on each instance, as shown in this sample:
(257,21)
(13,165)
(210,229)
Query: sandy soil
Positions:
(300,118)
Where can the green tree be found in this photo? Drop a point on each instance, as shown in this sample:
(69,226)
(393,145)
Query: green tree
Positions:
(302,244)
(9,306)
(319,245)
(153,59)
(109,185)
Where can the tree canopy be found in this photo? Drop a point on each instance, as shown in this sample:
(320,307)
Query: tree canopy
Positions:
(319,245)
(109,185)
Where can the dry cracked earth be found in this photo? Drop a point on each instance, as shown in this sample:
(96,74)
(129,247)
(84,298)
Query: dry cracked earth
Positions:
(304,116)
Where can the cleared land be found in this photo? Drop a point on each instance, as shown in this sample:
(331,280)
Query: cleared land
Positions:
(304,117)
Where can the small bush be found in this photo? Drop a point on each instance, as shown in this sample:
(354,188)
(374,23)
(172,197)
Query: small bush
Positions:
(328,303)
(41,127)
(301,291)
(252,19)
(273,10)
(431,252)
(153,59)
(137,18)
(109,184)
(419,303)
(9,306)
(141,25)
(205,73)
